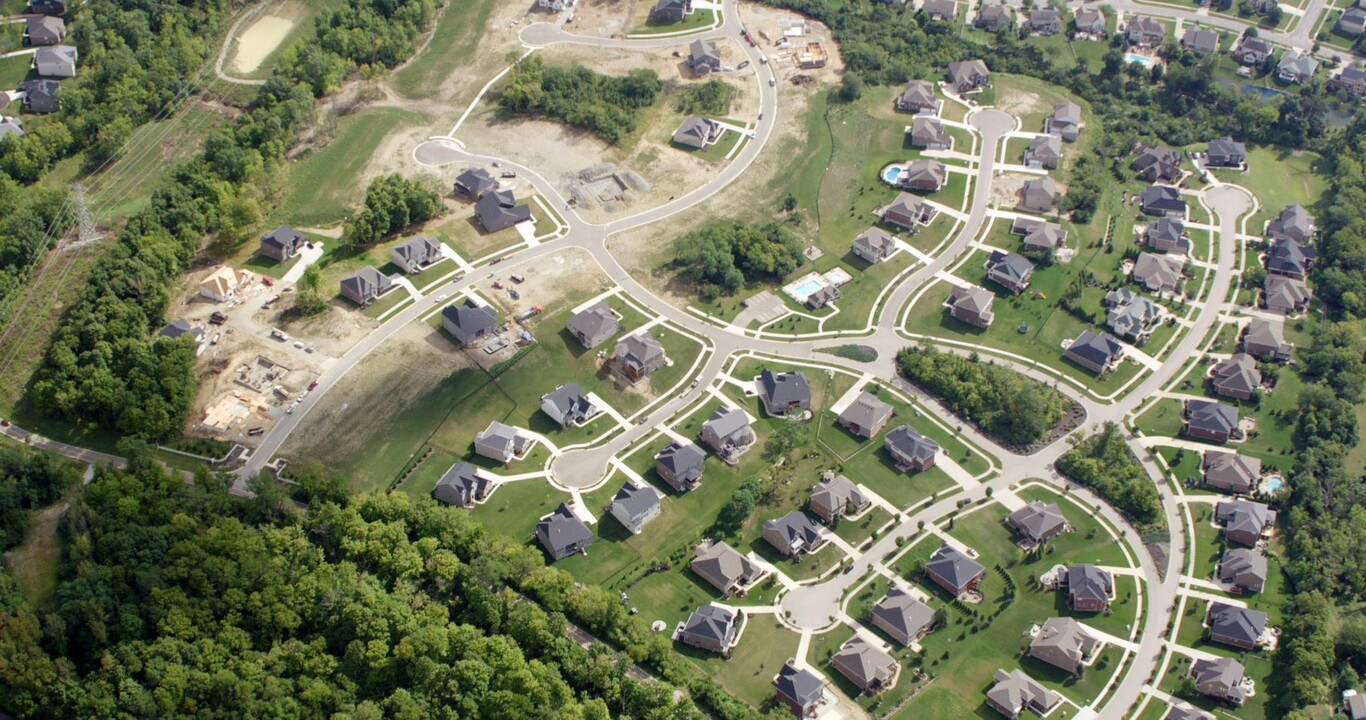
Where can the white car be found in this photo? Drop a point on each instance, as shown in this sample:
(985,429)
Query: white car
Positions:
(290,410)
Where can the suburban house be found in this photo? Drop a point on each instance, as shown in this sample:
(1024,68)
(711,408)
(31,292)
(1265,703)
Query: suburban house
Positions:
(922,174)
(637,356)
(918,97)
(711,627)
(953,570)
(1063,643)
(1200,41)
(1145,32)
(594,326)
(1245,522)
(725,569)
(836,497)
(823,296)
(1168,234)
(1045,21)
(1098,352)
(1252,51)
(794,534)
(993,18)
(1220,678)
(1090,22)
(1351,80)
(469,322)
(1296,68)
(874,246)
(704,56)
(968,75)
(903,617)
(1039,235)
(1237,376)
(47,7)
(282,243)
(910,449)
(1158,165)
(1134,320)
(1293,223)
(928,133)
(1285,295)
(1262,7)
(800,691)
(1236,626)
(870,668)
(1182,712)
(1038,522)
(417,254)
(681,465)
(1244,569)
(1015,692)
(1065,121)
(940,9)
(1009,270)
(562,533)
(728,434)
(1265,339)
(474,183)
(1231,472)
(11,127)
(697,133)
(635,505)
(569,406)
(782,393)
(1159,273)
(181,328)
(1210,420)
(1226,152)
(503,443)
(866,415)
(221,285)
(498,210)
(672,10)
(1044,151)
(1162,200)
(1287,257)
(1039,194)
(55,61)
(1088,588)
(462,486)
(44,30)
(1353,22)
(908,211)
(40,96)
(972,305)
(554,5)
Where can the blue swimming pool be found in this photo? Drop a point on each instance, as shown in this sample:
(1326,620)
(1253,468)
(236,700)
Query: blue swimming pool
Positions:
(1143,60)
(1275,483)
(892,174)
(809,287)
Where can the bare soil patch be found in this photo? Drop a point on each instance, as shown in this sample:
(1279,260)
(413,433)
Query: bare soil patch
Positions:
(258,40)
(609,18)
(1020,102)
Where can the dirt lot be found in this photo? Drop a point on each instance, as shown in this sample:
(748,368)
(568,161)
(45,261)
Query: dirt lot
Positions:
(1005,189)
(610,18)
(563,280)
(257,41)
(1021,102)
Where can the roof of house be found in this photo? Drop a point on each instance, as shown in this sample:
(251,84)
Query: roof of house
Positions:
(568,399)
(924,169)
(1038,520)
(1241,624)
(726,420)
(1132,317)
(461,484)
(597,321)
(1067,113)
(683,459)
(1227,147)
(837,492)
(1046,146)
(793,527)
(176,328)
(636,500)
(498,209)
(1200,40)
(1088,17)
(1063,634)
(1044,235)
(1222,671)
(1010,265)
(420,250)
(1244,561)
(366,281)
(1166,160)
(799,686)
(50,24)
(1088,582)
(1168,230)
(283,237)
(11,126)
(1040,191)
(40,88)
(1159,271)
(694,131)
(1232,468)
(863,663)
(1237,373)
(1293,222)
(927,129)
(784,389)
(1288,256)
(498,434)
(640,349)
(1285,292)
(866,411)
(972,298)
(1179,712)
(721,565)
(909,442)
(1265,332)
(1017,690)
(1147,26)
(906,204)
(476,180)
(875,240)
(964,70)
(704,50)
(1162,197)
(951,564)
(470,319)
(1299,65)
(54,58)
(1212,416)
(902,611)
(921,92)
(562,529)
(712,622)
(1244,516)
(1100,348)
(1045,15)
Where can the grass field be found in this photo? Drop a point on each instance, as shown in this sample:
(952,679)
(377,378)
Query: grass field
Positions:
(323,186)
(14,70)
(454,42)
(696,20)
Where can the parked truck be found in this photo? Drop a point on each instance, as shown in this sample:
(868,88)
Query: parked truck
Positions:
(529,313)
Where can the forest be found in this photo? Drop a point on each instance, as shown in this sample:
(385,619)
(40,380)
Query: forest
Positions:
(721,259)
(1104,463)
(609,107)
(392,202)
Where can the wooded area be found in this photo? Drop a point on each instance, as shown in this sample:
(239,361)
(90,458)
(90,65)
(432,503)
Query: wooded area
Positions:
(1104,463)
(606,106)
(721,259)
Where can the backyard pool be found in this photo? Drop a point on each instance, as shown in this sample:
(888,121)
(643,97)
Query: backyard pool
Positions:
(809,288)
(1274,484)
(891,174)
(1143,60)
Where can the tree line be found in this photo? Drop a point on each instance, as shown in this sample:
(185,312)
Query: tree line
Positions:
(609,107)
(1104,463)
(28,480)
(722,259)
(392,203)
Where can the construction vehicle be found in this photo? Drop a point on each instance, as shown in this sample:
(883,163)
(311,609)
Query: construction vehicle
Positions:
(529,313)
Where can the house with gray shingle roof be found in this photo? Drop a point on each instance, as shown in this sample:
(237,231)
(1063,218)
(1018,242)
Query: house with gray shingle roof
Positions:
(637,356)
(1158,164)
(1038,522)
(1245,522)
(923,174)
(41,96)
(928,133)
(800,690)
(972,305)
(1296,68)
(1285,295)
(1065,122)
(1353,22)
(966,76)
(1159,273)
(836,497)
(1351,80)
(1244,568)
(562,533)
(503,443)
(1353,703)
(1134,320)
(594,325)
(681,465)
(1145,32)
(1045,21)
(11,127)
(569,406)
(1089,588)
(1252,50)
(782,393)
(55,61)
(866,415)
(1098,352)
(1225,152)
(469,322)
(1266,339)
(498,210)
(1160,200)
(919,95)
(1287,257)
(993,18)
(1039,194)
(1015,692)
(1236,626)
(874,246)
(1231,472)
(711,627)
(1220,678)
(1063,643)
(697,133)
(634,506)
(417,254)
(366,285)
(725,569)
(794,534)
(1168,235)
(1237,376)
(282,243)
(728,434)
(44,30)
(1039,235)
(462,485)
(473,183)
(1090,21)
(954,571)
(870,668)
(1181,712)
(1200,41)
(1211,420)
(672,10)
(704,56)
(1044,151)
(1009,270)
(910,449)
(903,617)
(1293,223)
(946,10)
(909,211)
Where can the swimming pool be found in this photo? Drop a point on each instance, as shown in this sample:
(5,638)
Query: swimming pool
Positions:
(1275,483)
(1143,60)
(808,288)
(892,174)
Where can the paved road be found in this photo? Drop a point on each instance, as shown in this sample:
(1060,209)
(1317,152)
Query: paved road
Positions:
(89,457)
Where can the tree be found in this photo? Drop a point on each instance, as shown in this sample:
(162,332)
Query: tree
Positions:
(392,203)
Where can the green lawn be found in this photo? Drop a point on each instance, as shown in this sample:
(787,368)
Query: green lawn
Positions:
(696,20)
(763,649)
(1279,178)
(126,186)
(857,531)
(453,44)
(14,70)
(514,509)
